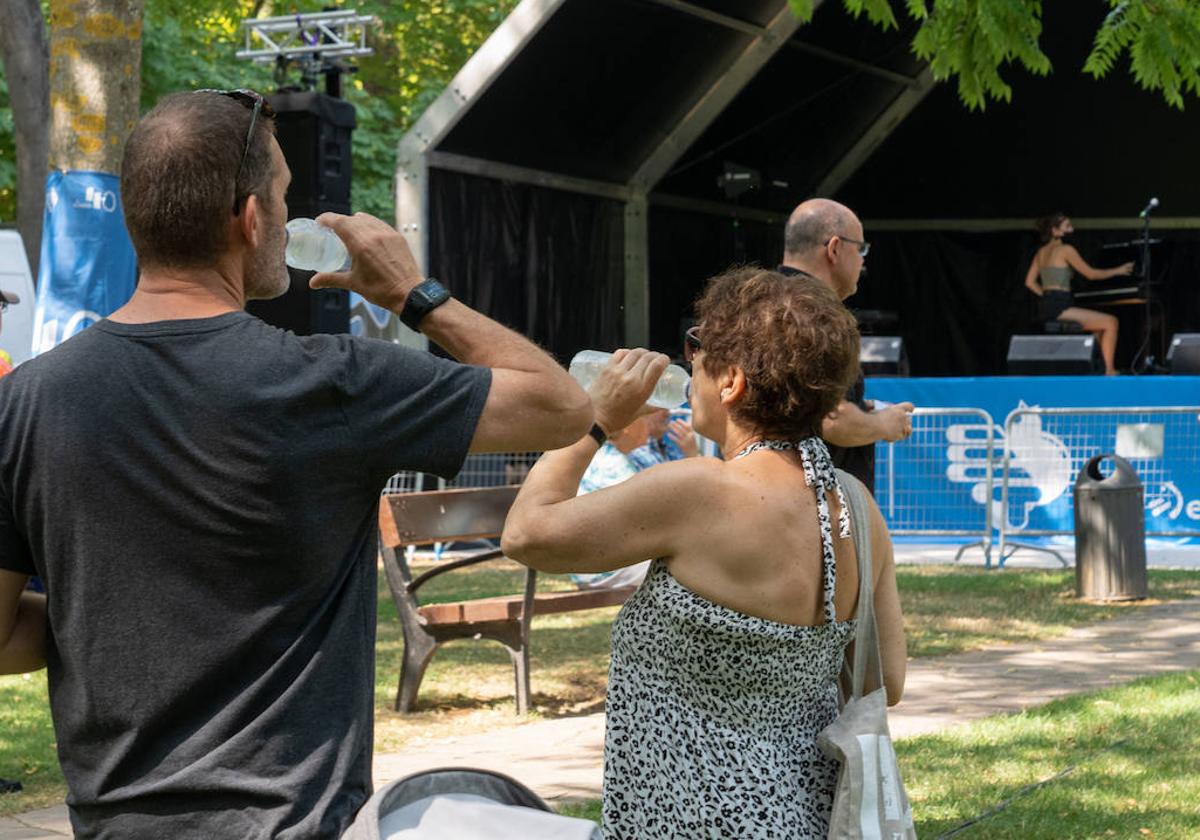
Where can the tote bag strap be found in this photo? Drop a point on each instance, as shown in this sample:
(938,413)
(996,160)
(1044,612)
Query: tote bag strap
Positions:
(866,636)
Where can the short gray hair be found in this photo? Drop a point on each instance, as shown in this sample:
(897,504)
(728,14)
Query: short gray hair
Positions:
(812,223)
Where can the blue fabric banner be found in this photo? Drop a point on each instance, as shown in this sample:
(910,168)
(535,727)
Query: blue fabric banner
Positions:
(88,268)
(936,479)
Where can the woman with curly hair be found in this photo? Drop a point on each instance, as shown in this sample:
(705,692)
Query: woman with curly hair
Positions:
(725,661)
(1049,277)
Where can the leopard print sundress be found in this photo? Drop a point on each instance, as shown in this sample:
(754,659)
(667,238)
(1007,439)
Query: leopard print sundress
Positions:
(713,714)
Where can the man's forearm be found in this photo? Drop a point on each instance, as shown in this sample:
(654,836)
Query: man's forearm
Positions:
(478,340)
(851,426)
(25,648)
(533,404)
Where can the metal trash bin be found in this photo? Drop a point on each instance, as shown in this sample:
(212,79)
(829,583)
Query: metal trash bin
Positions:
(1110,533)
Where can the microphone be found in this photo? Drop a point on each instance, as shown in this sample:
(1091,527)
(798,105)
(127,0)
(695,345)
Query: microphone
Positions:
(1150,205)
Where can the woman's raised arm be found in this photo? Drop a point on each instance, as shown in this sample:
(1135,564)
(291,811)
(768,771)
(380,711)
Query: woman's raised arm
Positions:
(1080,264)
(553,530)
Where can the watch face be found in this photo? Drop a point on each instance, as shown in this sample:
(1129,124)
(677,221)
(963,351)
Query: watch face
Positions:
(430,293)
(423,298)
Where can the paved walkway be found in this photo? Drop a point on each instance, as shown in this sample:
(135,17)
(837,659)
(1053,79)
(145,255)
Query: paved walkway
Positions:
(561,759)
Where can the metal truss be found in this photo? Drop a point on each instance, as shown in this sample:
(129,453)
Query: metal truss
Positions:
(296,37)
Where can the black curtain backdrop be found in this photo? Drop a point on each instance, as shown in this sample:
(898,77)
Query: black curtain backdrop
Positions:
(549,264)
(959,296)
(688,248)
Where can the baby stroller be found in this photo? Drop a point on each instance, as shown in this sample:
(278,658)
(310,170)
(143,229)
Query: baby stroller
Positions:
(460,803)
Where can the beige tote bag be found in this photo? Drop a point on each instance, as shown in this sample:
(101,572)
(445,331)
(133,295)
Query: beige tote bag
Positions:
(869,802)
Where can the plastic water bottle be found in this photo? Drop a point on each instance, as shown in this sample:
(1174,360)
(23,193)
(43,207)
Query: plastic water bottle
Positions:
(670,392)
(313,247)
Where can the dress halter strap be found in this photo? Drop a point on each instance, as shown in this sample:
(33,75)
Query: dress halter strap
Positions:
(820,475)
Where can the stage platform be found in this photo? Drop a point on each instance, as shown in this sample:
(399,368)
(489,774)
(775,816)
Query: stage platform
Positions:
(938,481)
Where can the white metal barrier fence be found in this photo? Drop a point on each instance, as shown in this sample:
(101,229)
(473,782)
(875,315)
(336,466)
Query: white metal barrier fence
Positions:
(493,469)
(937,481)
(1045,448)
(499,469)
(959,475)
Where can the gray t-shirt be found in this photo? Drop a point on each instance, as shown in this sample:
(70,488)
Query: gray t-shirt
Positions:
(200,499)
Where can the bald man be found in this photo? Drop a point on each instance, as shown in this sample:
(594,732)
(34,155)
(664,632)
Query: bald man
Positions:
(824,240)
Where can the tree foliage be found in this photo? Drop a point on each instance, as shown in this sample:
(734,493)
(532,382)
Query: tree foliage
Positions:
(1162,38)
(8,156)
(420,45)
(972,41)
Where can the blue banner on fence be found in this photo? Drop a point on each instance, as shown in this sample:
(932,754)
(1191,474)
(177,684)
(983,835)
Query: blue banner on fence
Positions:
(88,268)
(936,481)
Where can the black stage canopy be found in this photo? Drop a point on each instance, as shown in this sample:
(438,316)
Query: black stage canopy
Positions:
(572,180)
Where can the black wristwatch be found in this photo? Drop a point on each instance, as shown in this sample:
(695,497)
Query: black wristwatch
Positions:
(598,434)
(423,299)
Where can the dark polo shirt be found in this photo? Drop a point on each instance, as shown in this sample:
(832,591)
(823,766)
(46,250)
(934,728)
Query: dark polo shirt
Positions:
(859,461)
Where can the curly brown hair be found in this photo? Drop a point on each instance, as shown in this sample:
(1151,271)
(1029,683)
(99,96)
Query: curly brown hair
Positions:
(792,337)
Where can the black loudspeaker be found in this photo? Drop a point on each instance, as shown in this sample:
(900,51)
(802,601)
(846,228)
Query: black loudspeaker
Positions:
(314,132)
(1054,355)
(305,311)
(882,355)
(876,321)
(1184,355)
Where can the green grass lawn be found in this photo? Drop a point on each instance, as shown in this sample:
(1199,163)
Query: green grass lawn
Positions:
(1120,763)
(27,744)
(1135,750)
(948,609)
(469,685)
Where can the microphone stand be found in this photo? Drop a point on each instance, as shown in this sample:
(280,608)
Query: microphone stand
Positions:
(1143,358)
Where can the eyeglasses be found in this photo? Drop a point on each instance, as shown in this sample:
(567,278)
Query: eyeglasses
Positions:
(3,304)
(256,103)
(864,248)
(691,343)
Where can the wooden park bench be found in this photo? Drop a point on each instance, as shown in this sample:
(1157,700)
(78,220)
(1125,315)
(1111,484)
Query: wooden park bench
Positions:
(459,515)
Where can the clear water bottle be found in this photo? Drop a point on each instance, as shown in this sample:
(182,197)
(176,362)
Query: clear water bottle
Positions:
(670,392)
(313,247)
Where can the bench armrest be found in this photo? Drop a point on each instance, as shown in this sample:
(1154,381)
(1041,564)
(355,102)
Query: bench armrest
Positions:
(450,566)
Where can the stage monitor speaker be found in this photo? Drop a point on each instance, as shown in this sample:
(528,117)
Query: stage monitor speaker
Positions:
(1053,355)
(882,355)
(1184,354)
(876,321)
(314,132)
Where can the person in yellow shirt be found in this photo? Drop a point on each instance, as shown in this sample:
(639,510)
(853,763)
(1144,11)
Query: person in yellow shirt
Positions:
(6,299)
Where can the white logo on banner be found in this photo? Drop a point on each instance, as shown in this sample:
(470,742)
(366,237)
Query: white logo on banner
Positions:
(1040,471)
(45,332)
(95,199)
(1169,501)
(1039,465)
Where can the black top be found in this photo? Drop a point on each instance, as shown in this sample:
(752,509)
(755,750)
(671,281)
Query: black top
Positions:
(200,499)
(859,461)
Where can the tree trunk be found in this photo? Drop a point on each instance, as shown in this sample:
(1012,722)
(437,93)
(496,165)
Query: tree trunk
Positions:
(26,66)
(95,81)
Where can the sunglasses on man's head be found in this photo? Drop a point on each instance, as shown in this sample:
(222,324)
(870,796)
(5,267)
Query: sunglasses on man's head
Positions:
(691,343)
(257,104)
